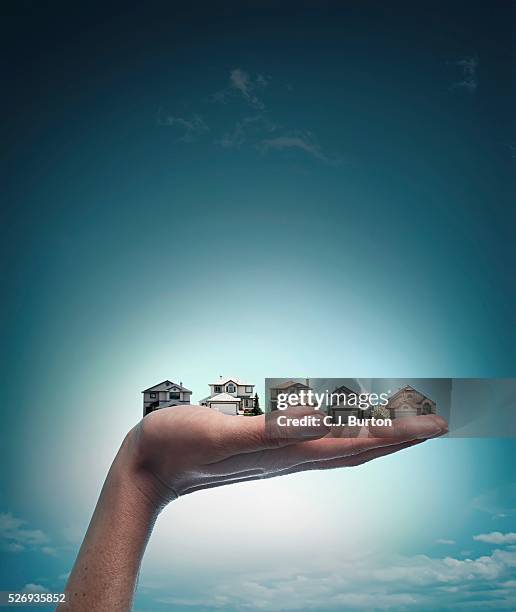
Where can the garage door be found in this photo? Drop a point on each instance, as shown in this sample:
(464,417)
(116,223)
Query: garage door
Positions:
(226,408)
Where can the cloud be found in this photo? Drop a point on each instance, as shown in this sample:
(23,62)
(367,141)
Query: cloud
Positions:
(241,83)
(34,588)
(469,80)
(509,584)
(445,542)
(49,550)
(15,537)
(499,502)
(496,537)
(190,129)
(365,584)
(13,547)
(245,130)
(240,80)
(256,130)
(303,142)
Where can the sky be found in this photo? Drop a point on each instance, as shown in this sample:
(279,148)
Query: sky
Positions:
(258,189)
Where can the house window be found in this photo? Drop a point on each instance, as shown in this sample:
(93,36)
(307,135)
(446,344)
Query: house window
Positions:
(174,396)
(153,395)
(248,389)
(218,389)
(230,388)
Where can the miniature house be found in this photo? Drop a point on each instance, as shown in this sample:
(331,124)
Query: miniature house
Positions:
(409,402)
(165,394)
(289,387)
(343,400)
(230,396)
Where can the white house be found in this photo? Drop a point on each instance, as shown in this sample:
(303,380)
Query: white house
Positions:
(165,394)
(230,396)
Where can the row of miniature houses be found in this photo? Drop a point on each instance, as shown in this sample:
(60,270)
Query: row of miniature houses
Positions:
(227,395)
(406,401)
(235,397)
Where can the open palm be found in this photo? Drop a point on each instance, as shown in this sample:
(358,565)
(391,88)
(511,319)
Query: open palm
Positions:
(183,449)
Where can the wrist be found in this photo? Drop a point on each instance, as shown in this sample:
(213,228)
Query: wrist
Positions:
(108,562)
(131,468)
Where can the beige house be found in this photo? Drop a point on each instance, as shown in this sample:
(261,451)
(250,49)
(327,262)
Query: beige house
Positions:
(166,393)
(409,402)
(230,396)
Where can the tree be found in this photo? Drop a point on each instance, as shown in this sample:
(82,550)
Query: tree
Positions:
(381,412)
(257,410)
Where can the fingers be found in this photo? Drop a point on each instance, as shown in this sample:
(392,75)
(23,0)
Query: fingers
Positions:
(240,435)
(284,452)
(416,428)
(340,450)
(411,427)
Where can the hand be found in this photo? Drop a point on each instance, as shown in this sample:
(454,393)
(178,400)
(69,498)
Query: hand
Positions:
(179,450)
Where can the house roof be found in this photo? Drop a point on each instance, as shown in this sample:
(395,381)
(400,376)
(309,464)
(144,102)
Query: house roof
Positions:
(223,397)
(344,389)
(165,385)
(290,383)
(409,388)
(237,381)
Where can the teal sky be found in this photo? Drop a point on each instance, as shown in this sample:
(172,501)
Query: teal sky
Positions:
(262,190)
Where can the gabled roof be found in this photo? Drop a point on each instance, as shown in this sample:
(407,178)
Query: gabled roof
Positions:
(409,388)
(165,386)
(290,383)
(223,397)
(345,390)
(237,381)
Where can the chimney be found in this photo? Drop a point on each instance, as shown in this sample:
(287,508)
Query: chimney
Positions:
(181,384)
(307,382)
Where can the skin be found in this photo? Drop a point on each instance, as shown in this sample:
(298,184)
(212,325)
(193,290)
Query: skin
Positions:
(176,451)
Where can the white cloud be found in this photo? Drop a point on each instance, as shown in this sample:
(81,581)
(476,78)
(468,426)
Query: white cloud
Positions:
(34,588)
(367,583)
(241,83)
(247,129)
(496,537)
(303,142)
(15,537)
(508,584)
(49,550)
(257,130)
(499,502)
(469,80)
(191,129)
(13,547)
(445,542)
